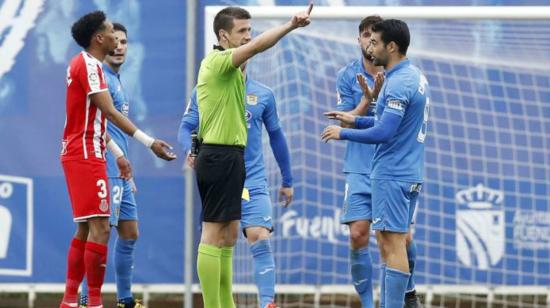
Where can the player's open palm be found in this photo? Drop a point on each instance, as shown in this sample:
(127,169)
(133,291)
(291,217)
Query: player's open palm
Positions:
(124,167)
(286,194)
(367,92)
(301,19)
(341,116)
(378,82)
(162,150)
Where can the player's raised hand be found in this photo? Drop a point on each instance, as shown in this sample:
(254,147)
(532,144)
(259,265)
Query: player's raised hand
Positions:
(341,116)
(367,92)
(162,150)
(331,132)
(286,194)
(378,82)
(124,167)
(301,19)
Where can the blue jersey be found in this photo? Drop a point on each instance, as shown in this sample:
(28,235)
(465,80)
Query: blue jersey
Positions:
(120,100)
(358,157)
(260,110)
(405,93)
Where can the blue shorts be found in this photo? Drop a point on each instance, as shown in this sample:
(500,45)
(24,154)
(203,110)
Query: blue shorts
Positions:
(394,204)
(357,198)
(257,212)
(123,202)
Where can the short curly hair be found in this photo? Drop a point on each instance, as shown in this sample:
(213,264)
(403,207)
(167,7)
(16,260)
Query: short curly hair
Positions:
(85,27)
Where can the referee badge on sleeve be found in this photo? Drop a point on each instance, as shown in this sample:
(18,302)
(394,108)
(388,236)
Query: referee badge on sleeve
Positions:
(252,99)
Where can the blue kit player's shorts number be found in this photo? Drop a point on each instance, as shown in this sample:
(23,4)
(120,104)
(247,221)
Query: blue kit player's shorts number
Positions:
(123,202)
(357,198)
(257,211)
(394,204)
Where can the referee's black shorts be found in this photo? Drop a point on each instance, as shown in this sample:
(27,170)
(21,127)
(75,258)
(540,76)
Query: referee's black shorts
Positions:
(220,176)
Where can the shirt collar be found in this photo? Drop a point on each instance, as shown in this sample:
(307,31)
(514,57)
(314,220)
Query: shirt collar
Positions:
(398,66)
(109,70)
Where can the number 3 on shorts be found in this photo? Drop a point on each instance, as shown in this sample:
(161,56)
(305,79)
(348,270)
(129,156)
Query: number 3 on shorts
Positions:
(102,188)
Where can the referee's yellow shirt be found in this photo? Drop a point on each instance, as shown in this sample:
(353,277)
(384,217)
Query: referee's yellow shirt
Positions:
(221,99)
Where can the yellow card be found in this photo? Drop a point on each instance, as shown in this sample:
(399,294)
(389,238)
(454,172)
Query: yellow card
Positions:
(245,195)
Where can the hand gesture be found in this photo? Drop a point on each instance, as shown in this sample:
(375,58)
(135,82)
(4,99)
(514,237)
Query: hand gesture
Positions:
(371,94)
(133,186)
(124,167)
(162,150)
(285,195)
(191,161)
(331,132)
(301,19)
(341,116)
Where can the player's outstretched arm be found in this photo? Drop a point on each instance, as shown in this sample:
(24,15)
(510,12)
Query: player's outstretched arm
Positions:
(104,102)
(270,37)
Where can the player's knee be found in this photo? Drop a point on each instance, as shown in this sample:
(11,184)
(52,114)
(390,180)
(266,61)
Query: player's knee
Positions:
(359,238)
(130,235)
(257,234)
(99,233)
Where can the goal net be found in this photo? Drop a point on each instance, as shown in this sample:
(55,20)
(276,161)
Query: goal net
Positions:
(483,221)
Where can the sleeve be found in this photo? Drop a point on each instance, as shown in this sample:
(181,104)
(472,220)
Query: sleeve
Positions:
(279,146)
(344,92)
(222,62)
(396,97)
(364,122)
(92,78)
(381,132)
(270,115)
(189,122)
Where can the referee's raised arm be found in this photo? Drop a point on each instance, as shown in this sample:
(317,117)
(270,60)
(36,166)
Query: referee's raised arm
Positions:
(270,37)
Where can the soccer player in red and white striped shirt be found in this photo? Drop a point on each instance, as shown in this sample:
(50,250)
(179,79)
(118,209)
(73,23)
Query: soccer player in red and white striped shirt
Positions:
(89,105)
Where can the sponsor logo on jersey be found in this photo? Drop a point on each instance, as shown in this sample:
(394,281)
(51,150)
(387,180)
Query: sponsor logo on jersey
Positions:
(93,78)
(252,99)
(125,109)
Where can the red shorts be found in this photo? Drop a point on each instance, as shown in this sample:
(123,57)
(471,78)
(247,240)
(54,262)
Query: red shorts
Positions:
(88,188)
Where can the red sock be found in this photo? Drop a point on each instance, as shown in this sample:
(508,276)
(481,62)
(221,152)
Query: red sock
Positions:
(95,259)
(75,270)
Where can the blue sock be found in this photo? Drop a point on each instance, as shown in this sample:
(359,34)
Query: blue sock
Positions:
(396,284)
(84,291)
(411,255)
(264,269)
(361,273)
(124,264)
(383,285)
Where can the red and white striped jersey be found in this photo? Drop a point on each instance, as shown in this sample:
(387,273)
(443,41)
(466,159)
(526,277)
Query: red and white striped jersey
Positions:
(85,125)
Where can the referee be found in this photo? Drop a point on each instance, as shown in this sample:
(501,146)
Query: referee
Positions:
(220,165)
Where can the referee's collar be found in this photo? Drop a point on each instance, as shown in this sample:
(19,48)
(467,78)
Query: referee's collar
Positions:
(218,47)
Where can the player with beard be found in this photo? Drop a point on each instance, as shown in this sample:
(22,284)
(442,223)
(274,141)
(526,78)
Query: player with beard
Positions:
(354,83)
(398,129)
